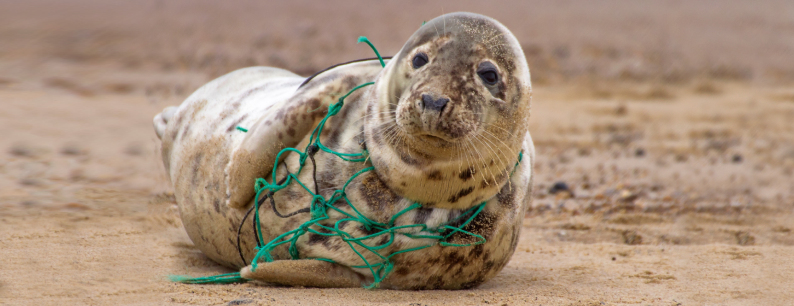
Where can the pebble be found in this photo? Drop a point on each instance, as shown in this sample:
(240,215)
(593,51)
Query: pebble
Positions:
(31,181)
(628,196)
(744,238)
(631,237)
(73,149)
(22,150)
(134,149)
(559,187)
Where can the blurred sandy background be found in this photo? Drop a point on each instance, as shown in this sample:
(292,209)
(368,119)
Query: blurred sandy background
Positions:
(671,123)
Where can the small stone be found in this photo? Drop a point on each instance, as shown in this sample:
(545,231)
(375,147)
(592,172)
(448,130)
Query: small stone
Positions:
(73,149)
(736,159)
(561,191)
(639,152)
(22,150)
(632,237)
(240,302)
(744,238)
(134,149)
(628,196)
(31,182)
(559,187)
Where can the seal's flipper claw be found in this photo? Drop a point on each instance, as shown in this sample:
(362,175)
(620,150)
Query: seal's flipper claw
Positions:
(304,272)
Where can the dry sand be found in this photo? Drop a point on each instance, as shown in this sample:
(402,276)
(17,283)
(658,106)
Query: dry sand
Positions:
(672,123)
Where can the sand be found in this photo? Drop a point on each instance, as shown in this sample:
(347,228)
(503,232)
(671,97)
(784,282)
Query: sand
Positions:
(676,141)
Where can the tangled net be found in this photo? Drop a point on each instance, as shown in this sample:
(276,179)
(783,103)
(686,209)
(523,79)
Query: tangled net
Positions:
(319,207)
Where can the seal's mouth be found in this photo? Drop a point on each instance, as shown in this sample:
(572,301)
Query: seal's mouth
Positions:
(437,131)
(435,139)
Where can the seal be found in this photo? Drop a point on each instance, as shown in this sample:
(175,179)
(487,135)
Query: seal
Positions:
(444,125)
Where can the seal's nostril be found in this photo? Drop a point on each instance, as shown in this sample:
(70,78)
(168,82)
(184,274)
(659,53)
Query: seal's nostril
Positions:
(434,104)
(426,100)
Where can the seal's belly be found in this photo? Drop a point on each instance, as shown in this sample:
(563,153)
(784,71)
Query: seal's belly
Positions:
(197,146)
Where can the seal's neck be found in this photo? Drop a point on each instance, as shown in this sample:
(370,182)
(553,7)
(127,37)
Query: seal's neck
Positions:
(457,183)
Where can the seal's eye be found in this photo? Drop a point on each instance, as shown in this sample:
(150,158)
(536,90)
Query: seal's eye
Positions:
(487,73)
(420,59)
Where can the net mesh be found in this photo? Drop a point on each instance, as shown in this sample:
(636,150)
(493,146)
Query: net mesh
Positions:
(320,206)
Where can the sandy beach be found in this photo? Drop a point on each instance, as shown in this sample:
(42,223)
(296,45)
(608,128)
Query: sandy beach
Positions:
(670,125)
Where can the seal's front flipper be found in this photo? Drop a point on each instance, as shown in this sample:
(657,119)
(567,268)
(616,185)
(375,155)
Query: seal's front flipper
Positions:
(287,124)
(283,126)
(304,272)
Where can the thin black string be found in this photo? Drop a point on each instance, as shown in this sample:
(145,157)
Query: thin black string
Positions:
(256,235)
(273,204)
(311,151)
(240,229)
(337,65)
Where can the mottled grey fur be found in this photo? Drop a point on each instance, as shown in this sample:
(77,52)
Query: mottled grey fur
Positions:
(448,161)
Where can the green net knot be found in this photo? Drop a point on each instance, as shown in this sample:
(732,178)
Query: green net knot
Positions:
(318,207)
(334,108)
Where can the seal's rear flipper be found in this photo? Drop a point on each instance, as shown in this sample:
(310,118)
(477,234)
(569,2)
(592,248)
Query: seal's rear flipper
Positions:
(161,120)
(304,272)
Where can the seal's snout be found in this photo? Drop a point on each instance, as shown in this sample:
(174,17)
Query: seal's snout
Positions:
(433,104)
(433,115)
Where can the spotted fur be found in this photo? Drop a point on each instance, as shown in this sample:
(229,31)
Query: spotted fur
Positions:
(448,161)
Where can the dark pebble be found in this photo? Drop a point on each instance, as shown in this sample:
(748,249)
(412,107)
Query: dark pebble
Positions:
(640,152)
(22,150)
(736,158)
(240,302)
(73,149)
(559,187)
(134,149)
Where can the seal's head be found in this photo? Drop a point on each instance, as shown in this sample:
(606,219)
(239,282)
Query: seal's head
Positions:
(450,111)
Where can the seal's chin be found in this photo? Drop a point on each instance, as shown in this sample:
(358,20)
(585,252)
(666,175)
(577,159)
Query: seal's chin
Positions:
(436,139)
